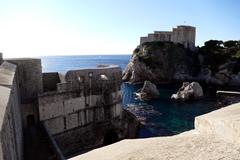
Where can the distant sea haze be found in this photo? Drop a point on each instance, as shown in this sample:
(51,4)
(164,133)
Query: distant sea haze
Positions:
(64,63)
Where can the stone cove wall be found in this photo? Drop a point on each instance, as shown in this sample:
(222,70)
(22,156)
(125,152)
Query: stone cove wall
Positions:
(11,137)
(216,136)
(85,110)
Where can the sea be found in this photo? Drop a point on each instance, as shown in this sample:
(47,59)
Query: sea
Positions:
(160,117)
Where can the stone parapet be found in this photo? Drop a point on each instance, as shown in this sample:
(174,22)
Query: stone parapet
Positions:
(11,137)
(225,123)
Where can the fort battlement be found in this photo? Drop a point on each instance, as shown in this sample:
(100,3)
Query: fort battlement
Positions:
(78,110)
(182,34)
(79,99)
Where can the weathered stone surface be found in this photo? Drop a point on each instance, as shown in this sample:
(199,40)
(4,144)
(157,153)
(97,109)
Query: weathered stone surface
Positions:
(7,74)
(184,146)
(216,137)
(29,71)
(188,91)
(224,123)
(88,104)
(11,136)
(149,91)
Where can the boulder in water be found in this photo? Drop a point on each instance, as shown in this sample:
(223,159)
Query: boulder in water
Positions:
(148,92)
(188,91)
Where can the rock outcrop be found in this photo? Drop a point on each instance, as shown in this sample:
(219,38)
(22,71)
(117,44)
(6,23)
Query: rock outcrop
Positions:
(148,92)
(159,62)
(188,91)
(166,62)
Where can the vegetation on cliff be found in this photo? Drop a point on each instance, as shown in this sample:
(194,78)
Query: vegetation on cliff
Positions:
(217,52)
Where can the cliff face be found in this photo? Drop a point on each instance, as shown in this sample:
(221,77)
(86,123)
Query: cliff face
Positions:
(165,62)
(160,62)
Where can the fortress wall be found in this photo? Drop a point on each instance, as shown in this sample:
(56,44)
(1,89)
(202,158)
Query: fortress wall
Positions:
(182,34)
(143,40)
(29,72)
(92,135)
(114,74)
(11,137)
(162,36)
(29,78)
(50,81)
(77,111)
(151,37)
(87,128)
(84,108)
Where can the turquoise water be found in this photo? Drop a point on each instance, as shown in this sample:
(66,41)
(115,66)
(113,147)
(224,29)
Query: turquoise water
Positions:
(163,116)
(160,117)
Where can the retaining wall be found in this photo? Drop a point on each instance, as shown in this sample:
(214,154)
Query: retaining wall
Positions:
(11,137)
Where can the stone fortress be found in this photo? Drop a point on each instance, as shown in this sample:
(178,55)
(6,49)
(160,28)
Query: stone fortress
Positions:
(182,34)
(78,111)
(81,110)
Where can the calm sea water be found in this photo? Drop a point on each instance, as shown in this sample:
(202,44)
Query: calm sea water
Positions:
(65,63)
(159,117)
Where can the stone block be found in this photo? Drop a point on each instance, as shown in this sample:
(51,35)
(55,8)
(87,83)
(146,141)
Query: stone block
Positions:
(55,125)
(72,121)
(82,118)
(74,104)
(50,107)
(89,114)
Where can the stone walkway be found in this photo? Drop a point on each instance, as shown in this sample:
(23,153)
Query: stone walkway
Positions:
(207,142)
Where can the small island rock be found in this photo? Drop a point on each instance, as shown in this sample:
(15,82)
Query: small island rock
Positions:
(149,91)
(188,91)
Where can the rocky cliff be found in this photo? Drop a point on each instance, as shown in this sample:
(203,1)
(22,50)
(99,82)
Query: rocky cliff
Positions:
(166,62)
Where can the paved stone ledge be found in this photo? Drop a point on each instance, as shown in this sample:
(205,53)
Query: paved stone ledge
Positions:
(216,137)
(224,123)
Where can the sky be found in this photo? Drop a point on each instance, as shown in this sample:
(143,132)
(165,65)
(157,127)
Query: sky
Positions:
(30,28)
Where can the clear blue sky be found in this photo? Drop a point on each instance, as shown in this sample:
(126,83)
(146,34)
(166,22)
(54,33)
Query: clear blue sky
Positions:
(58,27)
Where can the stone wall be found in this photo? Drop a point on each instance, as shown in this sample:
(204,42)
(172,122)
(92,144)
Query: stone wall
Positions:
(85,108)
(29,79)
(11,137)
(50,81)
(1,58)
(182,34)
(62,112)
(95,82)
(29,72)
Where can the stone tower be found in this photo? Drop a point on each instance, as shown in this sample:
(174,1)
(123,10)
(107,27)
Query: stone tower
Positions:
(184,35)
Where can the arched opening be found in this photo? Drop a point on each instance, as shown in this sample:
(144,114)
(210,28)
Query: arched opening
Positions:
(110,137)
(30,120)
